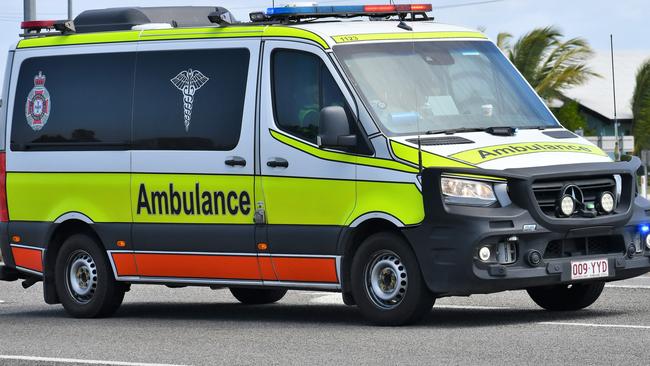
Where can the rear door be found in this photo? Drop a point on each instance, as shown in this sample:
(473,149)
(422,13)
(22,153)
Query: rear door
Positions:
(68,154)
(192,180)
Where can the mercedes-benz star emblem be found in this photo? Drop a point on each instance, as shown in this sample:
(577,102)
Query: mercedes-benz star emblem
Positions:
(575,192)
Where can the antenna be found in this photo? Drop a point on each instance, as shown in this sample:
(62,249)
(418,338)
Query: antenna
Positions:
(417,122)
(617,147)
(419,153)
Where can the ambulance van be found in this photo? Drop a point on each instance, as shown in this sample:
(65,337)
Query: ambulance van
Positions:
(366,150)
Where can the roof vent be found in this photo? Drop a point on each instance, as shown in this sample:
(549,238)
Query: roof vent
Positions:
(115,19)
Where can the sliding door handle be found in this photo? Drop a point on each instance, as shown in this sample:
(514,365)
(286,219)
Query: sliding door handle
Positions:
(235,160)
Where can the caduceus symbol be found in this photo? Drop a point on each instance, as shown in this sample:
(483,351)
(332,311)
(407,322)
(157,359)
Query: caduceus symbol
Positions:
(188,82)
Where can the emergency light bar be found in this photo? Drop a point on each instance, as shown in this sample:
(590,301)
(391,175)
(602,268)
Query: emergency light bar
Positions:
(34,27)
(341,11)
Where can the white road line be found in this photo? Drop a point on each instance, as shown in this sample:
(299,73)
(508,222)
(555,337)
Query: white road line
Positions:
(592,325)
(470,307)
(335,299)
(77,361)
(629,286)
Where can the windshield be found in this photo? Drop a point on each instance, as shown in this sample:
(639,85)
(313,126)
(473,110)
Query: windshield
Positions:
(415,87)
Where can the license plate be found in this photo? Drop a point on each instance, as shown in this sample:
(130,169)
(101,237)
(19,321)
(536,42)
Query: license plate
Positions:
(589,269)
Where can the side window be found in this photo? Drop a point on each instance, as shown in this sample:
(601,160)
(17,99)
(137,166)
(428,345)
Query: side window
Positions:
(302,86)
(189,99)
(76,102)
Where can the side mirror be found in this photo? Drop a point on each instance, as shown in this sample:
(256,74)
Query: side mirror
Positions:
(334,128)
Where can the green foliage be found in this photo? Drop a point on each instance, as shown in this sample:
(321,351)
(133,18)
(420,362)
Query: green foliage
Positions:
(550,64)
(570,117)
(641,108)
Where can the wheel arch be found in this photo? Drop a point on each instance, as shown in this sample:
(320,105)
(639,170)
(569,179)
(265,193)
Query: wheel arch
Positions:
(356,234)
(63,227)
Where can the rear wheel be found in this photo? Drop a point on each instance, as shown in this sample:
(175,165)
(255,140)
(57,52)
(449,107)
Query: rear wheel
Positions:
(84,280)
(566,297)
(255,296)
(387,283)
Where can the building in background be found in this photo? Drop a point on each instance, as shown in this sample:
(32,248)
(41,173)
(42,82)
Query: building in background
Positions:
(596,100)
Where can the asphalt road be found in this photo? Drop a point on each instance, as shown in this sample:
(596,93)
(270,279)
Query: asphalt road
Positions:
(199,326)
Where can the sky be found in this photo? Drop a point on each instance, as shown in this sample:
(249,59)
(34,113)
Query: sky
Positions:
(593,20)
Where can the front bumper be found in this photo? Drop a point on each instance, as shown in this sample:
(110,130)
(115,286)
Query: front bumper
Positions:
(448,240)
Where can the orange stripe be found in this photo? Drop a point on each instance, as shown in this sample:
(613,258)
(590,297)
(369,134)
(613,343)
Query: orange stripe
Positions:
(197,266)
(28,258)
(125,264)
(266,268)
(305,269)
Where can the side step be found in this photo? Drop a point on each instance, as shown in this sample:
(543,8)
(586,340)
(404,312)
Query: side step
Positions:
(8,274)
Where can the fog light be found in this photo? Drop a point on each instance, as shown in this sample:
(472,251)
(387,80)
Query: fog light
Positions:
(606,202)
(484,254)
(566,206)
(647,241)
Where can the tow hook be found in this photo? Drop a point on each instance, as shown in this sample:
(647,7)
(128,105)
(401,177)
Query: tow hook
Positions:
(30,281)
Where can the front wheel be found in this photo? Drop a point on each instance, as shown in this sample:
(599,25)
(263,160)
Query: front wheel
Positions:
(255,296)
(566,297)
(387,283)
(84,279)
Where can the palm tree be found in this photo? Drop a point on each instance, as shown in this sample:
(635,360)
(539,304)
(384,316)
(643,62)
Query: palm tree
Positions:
(641,108)
(550,64)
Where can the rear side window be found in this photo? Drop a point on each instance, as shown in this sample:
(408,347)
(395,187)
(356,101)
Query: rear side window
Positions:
(189,99)
(76,102)
(302,86)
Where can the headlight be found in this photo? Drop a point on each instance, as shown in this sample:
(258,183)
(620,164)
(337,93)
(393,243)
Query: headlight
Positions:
(467,192)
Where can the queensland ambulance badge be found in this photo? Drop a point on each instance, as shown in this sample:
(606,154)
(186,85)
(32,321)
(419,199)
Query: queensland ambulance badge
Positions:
(188,82)
(39,105)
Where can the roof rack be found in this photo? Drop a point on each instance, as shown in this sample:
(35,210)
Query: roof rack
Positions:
(112,19)
(127,18)
(291,13)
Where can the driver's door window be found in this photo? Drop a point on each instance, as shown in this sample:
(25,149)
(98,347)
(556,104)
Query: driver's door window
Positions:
(302,86)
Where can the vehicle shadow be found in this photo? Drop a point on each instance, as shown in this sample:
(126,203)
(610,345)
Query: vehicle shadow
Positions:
(318,314)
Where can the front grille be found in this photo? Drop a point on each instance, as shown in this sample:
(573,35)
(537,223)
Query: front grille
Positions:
(584,246)
(547,192)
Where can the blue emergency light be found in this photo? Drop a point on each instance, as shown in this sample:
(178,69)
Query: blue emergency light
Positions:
(345,11)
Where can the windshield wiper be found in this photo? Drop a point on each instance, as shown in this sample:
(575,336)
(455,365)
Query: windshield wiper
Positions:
(540,127)
(451,131)
(497,131)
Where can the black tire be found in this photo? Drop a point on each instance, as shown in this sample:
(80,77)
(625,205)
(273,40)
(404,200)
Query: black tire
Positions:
(257,296)
(104,294)
(566,297)
(388,259)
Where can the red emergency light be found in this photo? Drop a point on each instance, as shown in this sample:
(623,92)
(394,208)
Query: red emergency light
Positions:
(34,27)
(397,8)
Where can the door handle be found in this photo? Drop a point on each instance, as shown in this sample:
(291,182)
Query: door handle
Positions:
(235,160)
(277,163)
